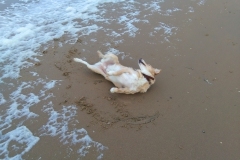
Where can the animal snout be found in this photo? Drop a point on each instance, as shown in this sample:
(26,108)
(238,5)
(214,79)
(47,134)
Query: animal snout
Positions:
(141,61)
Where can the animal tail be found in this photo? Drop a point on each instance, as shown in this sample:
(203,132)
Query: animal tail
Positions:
(80,61)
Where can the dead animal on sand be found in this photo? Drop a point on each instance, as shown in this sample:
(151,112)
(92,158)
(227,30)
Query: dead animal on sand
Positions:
(126,79)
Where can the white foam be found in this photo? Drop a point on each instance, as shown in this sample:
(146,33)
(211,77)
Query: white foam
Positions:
(16,143)
(19,103)
(59,125)
(29,24)
(114,34)
(34,24)
(122,19)
(25,1)
(50,84)
(169,12)
(168,31)
(34,73)
(42,23)
(128,22)
(2,100)
(190,9)
(201,2)
(153,6)
(117,52)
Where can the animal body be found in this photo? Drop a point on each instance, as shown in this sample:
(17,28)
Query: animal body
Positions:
(126,79)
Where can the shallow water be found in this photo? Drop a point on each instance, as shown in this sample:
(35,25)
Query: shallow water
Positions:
(194,42)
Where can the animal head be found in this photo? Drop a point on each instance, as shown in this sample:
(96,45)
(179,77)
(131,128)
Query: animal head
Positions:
(148,71)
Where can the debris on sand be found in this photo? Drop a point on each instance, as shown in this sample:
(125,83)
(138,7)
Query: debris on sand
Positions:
(207,81)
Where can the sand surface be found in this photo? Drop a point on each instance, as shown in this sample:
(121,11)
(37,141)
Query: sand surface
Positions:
(191,112)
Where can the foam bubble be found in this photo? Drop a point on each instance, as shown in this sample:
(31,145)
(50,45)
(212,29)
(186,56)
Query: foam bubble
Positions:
(20,102)
(190,9)
(117,52)
(50,84)
(168,31)
(24,1)
(29,24)
(18,111)
(59,125)
(34,73)
(41,23)
(16,143)
(170,11)
(2,100)
(153,6)
(201,2)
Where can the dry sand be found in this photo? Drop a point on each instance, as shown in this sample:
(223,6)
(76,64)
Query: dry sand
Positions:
(191,112)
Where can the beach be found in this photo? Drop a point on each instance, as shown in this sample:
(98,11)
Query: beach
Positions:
(55,108)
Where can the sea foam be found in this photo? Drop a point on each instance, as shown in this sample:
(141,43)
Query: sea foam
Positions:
(16,143)
(30,24)
(60,124)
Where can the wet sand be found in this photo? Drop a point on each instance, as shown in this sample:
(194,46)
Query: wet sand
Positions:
(191,112)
